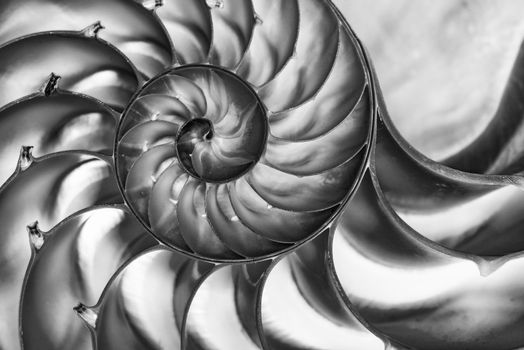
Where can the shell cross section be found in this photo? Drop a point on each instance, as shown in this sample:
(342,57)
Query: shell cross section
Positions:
(211,171)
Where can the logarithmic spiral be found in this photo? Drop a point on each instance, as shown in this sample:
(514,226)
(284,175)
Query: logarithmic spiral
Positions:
(224,174)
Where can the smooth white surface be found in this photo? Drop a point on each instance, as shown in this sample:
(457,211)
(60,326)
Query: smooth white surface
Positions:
(442,65)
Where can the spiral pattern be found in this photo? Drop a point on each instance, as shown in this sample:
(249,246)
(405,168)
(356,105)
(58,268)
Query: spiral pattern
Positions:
(226,161)
(224,174)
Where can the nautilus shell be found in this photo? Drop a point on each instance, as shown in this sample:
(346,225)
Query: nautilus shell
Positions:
(224,174)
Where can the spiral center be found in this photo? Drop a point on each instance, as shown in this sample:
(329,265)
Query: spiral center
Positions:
(192,134)
(227,133)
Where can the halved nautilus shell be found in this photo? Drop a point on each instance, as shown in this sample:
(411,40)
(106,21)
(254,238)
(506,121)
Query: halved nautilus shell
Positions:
(224,174)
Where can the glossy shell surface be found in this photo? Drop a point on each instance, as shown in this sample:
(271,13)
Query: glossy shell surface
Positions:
(224,174)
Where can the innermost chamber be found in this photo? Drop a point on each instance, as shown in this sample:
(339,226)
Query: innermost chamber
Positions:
(229,137)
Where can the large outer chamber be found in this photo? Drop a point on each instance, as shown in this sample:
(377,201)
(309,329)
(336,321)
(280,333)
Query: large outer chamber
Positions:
(443,66)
